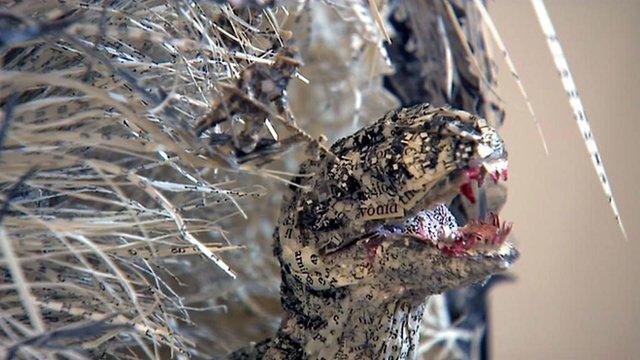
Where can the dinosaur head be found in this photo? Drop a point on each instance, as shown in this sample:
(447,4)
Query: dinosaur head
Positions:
(379,214)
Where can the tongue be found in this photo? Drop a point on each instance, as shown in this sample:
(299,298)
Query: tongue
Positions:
(433,224)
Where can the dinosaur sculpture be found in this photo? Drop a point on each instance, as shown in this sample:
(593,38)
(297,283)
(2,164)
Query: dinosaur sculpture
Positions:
(366,237)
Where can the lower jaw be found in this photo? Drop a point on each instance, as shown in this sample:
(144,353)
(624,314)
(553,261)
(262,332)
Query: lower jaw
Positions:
(438,227)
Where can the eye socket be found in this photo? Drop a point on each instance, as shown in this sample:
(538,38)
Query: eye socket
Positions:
(465,131)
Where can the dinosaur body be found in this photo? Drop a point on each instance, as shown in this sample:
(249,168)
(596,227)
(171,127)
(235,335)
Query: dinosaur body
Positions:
(366,237)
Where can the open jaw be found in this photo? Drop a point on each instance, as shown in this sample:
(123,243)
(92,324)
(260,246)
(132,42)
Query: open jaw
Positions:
(433,223)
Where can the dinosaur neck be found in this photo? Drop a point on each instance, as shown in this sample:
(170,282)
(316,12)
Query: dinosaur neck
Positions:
(361,323)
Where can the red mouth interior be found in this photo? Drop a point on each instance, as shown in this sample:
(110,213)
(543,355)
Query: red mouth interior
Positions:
(478,174)
(438,226)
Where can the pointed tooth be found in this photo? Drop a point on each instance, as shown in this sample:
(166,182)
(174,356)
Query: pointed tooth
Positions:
(495,176)
(492,171)
(507,227)
(467,191)
(495,220)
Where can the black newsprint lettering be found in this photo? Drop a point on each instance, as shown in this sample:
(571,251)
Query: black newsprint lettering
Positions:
(299,262)
(379,210)
(407,196)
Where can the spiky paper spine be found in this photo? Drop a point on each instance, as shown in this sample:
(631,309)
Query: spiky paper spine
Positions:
(106,187)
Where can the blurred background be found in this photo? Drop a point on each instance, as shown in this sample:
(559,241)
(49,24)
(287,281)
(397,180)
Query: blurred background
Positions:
(576,294)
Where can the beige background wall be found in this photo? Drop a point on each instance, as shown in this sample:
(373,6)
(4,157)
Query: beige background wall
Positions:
(578,289)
